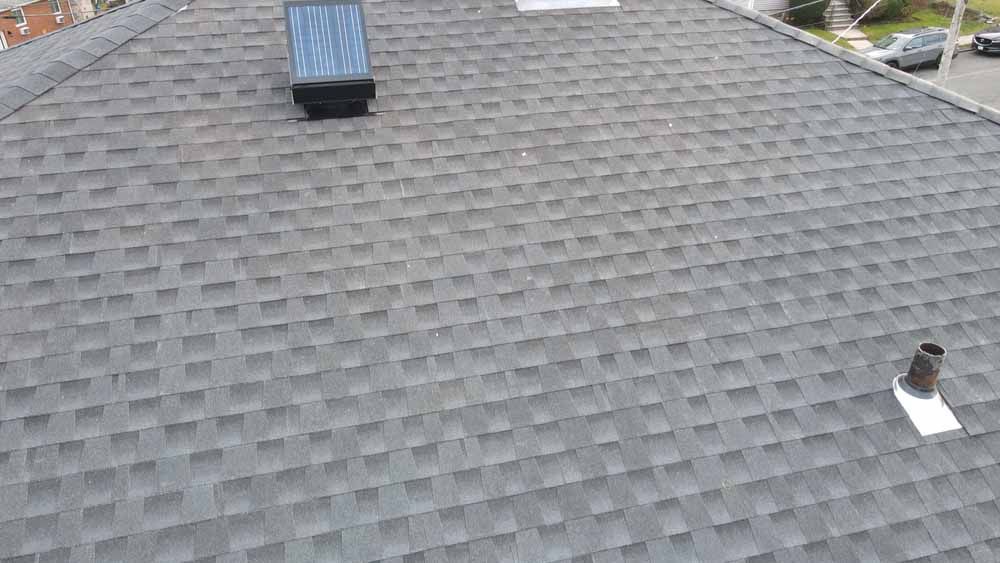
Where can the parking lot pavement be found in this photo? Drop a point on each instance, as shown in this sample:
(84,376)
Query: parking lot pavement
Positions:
(973,76)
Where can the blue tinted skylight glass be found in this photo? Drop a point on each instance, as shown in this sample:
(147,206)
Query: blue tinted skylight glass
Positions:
(327,39)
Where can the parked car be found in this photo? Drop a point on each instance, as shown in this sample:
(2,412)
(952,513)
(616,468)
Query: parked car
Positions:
(911,48)
(987,40)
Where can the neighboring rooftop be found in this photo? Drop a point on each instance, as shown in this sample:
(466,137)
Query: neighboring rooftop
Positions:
(32,68)
(617,284)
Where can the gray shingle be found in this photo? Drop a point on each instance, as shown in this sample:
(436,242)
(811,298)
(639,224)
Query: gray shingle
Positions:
(567,292)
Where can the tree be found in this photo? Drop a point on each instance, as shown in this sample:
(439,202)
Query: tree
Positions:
(886,10)
(800,14)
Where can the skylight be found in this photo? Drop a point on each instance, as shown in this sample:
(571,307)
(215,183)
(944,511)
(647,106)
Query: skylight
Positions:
(328,51)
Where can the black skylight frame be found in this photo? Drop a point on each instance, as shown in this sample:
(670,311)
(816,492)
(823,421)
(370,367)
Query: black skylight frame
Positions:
(328,88)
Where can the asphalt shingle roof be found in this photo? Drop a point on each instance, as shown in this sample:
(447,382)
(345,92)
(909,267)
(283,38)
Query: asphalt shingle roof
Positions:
(616,285)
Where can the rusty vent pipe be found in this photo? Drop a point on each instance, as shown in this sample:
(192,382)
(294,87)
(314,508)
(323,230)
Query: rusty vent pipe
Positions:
(926,366)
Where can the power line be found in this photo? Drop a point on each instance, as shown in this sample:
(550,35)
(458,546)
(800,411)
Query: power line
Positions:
(855,22)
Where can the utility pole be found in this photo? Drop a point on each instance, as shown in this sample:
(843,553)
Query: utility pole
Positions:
(949,47)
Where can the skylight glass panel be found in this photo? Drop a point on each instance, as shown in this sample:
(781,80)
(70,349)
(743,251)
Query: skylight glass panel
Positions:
(327,40)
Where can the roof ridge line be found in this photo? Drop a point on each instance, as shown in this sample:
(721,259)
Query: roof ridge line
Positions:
(148,13)
(71,26)
(919,84)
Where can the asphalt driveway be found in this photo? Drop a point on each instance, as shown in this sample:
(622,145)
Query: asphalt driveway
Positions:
(972,75)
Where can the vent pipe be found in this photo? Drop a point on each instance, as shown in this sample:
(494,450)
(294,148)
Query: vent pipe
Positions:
(925,367)
(917,392)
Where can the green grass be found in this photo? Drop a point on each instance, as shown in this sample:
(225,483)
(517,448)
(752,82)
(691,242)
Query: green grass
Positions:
(920,18)
(827,36)
(991,7)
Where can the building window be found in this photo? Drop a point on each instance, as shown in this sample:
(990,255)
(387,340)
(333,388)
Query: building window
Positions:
(19,17)
(55,7)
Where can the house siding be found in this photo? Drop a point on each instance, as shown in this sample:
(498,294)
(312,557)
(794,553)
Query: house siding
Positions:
(765,6)
(40,21)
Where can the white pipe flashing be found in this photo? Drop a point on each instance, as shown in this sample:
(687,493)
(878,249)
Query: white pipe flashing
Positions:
(927,411)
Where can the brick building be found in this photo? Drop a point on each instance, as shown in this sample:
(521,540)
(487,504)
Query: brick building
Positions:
(21,21)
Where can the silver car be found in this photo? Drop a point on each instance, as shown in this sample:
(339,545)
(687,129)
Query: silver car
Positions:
(911,48)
